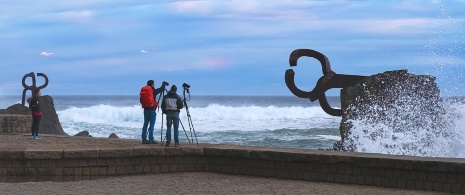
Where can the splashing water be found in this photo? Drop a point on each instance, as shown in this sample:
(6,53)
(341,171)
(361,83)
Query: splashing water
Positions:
(406,129)
(444,51)
(408,119)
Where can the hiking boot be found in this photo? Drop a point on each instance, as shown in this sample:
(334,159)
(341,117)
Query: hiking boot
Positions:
(167,144)
(38,137)
(176,145)
(153,142)
(33,137)
(145,142)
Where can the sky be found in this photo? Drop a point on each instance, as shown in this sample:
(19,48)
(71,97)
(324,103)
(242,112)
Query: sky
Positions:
(224,47)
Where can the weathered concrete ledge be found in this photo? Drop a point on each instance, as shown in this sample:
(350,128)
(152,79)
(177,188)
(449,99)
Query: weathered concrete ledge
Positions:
(15,123)
(53,163)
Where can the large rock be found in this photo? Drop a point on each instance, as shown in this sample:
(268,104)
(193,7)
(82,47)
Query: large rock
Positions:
(84,133)
(16,109)
(393,101)
(49,124)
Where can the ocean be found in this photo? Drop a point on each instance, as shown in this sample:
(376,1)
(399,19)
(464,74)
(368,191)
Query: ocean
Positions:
(270,121)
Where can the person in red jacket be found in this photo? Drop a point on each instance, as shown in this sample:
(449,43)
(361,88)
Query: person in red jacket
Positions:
(148,96)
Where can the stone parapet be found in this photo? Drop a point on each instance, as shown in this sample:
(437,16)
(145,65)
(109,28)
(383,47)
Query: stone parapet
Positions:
(15,123)
(22,164)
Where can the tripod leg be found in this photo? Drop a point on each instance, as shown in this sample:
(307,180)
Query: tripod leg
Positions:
(193,130)
(191,125)
(189,119)
(161,130)
(185,132)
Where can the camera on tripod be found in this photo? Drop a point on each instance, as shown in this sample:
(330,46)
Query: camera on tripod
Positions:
(165,83)
(185,85)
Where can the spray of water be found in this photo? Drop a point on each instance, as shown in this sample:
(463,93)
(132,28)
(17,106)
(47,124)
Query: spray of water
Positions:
(400,114)
(409,124)
(445,50)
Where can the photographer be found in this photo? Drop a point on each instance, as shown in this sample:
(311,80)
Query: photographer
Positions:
(171,105)
(149,103)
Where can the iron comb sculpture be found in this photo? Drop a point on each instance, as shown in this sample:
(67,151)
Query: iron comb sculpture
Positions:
(328,81)
(33,87)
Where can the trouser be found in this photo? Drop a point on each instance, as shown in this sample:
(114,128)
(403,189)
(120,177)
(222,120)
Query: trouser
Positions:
(149,120)
(172,118)
(35,125)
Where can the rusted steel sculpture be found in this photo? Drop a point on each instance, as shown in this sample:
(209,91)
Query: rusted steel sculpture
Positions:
(33,87)
(328,81)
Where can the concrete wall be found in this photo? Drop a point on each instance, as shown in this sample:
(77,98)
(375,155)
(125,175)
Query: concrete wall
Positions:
(18,164)
(15,123)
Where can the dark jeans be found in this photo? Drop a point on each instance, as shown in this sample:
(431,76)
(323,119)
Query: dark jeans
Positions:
(172,118)
(35,125)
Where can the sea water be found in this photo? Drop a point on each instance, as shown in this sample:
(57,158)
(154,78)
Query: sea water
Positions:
(273,121)
(276,121)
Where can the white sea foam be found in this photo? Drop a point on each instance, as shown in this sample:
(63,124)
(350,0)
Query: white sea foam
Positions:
(330,137)
(212,118)
(219,122)
(425,140)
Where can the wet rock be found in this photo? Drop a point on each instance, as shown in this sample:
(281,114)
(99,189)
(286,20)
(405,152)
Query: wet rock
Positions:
(84,133)
(50,123)
(113,135)
(18,109)
(393,101)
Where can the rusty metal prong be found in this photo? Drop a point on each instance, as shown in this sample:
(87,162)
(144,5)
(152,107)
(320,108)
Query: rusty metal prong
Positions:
(320,86)
(327,108)
(31,74)
(296,54)
(332,80)
(289,78)
(46,80)
(336,81)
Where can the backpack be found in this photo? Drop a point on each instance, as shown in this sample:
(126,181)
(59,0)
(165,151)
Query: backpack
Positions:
(146,97)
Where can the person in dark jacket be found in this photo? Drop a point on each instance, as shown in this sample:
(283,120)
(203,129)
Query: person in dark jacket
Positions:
(171,105)
(34,105)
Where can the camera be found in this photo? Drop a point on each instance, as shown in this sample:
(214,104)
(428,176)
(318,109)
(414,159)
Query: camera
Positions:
(165,83)
(185,85)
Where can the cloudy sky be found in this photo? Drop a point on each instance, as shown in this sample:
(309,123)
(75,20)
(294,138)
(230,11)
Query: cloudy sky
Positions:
(224,47)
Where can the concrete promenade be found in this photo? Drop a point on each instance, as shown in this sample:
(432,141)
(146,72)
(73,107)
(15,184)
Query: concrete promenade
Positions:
(69,156)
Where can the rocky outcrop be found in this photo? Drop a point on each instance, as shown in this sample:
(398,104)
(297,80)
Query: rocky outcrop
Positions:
(113,135)
(395,101)
(84,133)
(49,124)
(16,109)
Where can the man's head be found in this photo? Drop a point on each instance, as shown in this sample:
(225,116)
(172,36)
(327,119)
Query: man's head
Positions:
(150,83)
(173,88)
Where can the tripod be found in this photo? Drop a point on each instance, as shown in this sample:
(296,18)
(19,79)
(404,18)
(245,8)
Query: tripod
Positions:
(162,94)
(189,119)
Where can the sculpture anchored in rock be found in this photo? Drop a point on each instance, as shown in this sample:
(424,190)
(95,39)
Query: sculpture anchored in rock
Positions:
(328,81)
(33,87)
(394,112)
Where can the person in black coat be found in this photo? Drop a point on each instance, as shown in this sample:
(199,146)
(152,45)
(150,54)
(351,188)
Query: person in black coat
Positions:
(34,105)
